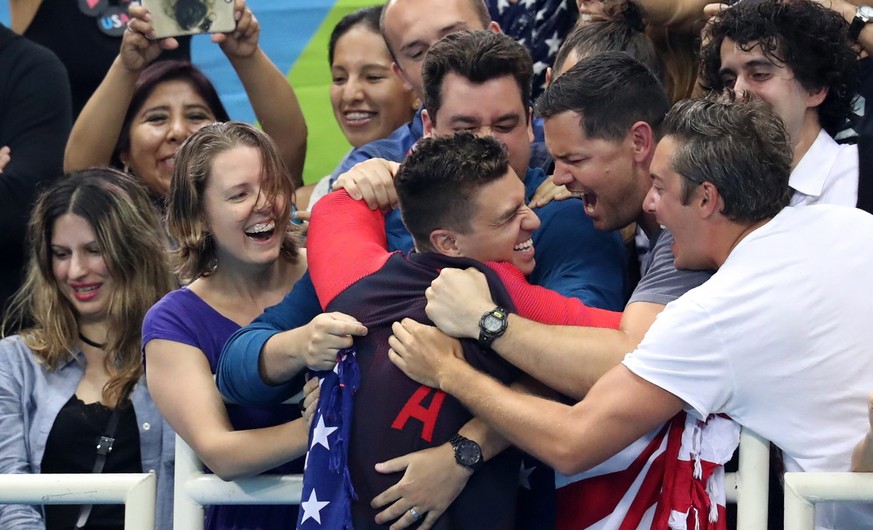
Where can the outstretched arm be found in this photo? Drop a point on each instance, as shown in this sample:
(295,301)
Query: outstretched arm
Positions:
(98,126)
(620,408)
(567,358)
(272,97)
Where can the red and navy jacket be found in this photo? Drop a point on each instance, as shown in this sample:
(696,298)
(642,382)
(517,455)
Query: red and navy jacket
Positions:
(353,273)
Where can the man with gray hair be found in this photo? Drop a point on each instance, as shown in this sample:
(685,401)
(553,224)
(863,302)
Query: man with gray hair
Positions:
(777,339)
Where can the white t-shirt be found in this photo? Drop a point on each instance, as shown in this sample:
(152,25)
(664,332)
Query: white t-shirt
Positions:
(780,338)
(827,174)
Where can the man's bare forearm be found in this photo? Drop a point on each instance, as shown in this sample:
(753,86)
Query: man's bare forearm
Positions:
(571,359)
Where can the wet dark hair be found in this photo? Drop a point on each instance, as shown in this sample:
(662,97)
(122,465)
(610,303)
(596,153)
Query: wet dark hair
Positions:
(149,79)
(808,38)
(610,91)
(446,170)
(367,17)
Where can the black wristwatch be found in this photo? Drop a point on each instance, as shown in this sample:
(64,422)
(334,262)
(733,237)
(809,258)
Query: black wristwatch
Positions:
(863,16)
(467,452)
(492,325)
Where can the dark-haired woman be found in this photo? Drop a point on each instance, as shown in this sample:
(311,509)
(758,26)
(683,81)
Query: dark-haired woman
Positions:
(140,114)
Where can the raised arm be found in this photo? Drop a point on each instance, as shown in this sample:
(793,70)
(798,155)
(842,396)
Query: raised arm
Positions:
(272,97)
(95,132)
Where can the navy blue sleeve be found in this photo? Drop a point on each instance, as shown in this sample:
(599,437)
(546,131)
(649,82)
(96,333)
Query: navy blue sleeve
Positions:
(577,260)
(237,375)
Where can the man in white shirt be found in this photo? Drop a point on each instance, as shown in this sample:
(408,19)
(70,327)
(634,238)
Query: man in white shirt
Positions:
(796,56)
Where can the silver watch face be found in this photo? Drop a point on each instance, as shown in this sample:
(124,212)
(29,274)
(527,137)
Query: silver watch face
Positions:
(865,12)
(492,324)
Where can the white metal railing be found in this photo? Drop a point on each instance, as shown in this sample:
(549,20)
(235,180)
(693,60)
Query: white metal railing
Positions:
(135,490)
(804,490)
(195,489)
(749,485)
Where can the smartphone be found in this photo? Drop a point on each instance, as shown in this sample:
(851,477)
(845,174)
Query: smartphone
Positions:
(172,18)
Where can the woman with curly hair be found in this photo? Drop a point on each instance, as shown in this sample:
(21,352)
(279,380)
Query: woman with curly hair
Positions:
(96,264)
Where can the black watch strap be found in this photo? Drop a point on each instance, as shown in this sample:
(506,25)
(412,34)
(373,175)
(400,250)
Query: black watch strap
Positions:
(492,325)
(863,16)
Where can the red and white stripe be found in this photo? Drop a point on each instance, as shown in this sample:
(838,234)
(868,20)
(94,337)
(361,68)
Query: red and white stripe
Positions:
(672,478)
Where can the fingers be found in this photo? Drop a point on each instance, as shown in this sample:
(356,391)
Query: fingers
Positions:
(391,466)
(400,337)
(429,521)
(328,334)
(302,216)
(5,157)
(247,26)
(344,324)
(397,360)
(408,520)
(711,10)
(311,391)
(371,181)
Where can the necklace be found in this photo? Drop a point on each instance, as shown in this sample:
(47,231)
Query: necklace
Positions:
(90,342)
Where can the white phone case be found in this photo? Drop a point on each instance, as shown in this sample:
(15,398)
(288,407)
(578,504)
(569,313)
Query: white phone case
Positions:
(172,18)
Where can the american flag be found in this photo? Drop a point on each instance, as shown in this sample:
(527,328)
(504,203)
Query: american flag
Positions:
(540,25)
(328,494)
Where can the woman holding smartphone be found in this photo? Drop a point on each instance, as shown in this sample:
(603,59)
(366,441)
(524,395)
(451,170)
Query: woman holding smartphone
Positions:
(140,114)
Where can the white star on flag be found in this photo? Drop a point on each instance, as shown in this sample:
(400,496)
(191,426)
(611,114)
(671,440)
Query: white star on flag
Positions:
(524,476)
(501,5)
(554,44)
(528,3)
(541,15)
(538,67)
(320,434)
(312,508)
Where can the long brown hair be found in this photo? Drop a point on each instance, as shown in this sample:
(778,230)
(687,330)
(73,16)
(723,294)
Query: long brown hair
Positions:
(128,232)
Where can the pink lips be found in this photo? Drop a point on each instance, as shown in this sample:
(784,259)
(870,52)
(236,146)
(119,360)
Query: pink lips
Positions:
(85,292)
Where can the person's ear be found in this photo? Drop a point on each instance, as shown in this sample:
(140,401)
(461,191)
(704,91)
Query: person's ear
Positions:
(816,97)
(530,116)
(444,242)
(643,138)
(402,75)
(708,201)
(427,123)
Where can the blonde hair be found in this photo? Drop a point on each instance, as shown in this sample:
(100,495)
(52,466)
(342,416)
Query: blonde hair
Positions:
(196,253)
(128,232)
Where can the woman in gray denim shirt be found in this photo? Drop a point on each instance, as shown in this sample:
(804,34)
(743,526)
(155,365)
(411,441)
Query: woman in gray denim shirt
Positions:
(96,264)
